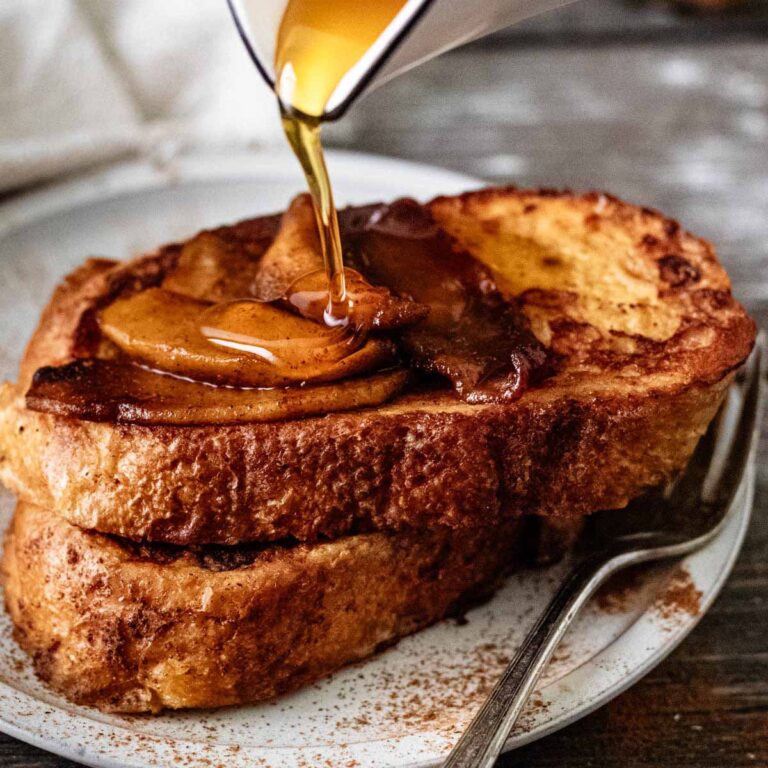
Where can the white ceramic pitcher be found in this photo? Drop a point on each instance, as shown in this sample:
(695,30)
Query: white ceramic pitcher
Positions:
(421,30)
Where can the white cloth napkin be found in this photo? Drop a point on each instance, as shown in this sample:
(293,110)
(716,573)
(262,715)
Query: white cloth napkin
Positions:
(84,81)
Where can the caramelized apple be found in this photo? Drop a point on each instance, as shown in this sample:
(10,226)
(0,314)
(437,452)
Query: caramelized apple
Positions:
(292,272)
(370,306)
(210,269)
(294,252)
(472,335)
(248,344)
(128,394)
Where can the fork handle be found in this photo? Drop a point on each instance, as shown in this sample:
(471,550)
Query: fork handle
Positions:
(484,739)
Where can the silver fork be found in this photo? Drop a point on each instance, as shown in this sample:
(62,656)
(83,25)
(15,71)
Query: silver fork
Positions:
(663,524)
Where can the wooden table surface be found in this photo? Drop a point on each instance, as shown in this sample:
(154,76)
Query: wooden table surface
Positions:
(665,109)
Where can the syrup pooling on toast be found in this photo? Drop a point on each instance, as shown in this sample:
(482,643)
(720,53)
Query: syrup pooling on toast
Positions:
(282,340)
(291,273)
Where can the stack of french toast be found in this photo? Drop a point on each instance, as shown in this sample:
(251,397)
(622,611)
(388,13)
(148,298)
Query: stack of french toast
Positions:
(202,525)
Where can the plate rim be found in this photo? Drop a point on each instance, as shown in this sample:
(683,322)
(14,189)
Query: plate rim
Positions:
(131,176)
(136,175)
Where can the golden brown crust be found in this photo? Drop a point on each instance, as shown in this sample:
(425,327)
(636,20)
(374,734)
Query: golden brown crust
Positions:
(350,472)
(638,311)
(134,629)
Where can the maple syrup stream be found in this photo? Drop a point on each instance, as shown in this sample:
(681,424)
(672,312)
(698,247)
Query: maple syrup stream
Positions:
(318,43)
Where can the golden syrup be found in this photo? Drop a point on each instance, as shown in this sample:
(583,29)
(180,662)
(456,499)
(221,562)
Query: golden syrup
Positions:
(304,138)
(318,43)
(274,336)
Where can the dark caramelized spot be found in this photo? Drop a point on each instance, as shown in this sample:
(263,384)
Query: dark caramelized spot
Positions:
(678,271)
(230,558)
(68,390)
(650,241)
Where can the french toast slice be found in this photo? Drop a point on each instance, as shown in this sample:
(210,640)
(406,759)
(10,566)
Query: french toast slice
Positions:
(138,628)
(636,314)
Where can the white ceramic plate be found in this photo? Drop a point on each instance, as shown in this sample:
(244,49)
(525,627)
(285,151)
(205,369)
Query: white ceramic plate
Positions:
(406,706)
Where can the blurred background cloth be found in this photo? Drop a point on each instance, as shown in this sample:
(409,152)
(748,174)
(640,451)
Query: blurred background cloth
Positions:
(83,81)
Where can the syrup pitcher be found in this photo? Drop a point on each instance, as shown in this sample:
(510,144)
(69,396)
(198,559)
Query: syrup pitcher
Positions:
(375,41)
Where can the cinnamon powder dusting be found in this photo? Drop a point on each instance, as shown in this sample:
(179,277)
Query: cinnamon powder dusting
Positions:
(618,593)
(680,597)
(438,702)
(677,595)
